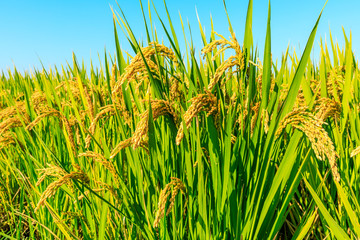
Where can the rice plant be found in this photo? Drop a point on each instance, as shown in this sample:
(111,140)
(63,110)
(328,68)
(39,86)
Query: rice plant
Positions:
(168,145)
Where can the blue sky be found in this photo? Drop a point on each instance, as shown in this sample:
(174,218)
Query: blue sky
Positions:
(51,30)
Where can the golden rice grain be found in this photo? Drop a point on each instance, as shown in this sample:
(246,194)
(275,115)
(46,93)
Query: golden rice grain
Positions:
(176,93)
(113,76)
(326,107)
(138,69)
(7,139)
(44,114)
(51,170)
(102,160)
(13,111)
(177,185)
(89,102)
(265,119)
(311,126)
(159,108)
(228,64)
(13,122)
(70,132)
(335,82)
(108,109)
(223,44)
(38,97)
(202,102)
(123,144)
(54,186)
(355,152)
(255,111)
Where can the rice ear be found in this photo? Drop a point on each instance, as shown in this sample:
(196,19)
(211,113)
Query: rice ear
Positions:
(64,179)
(311,126)
(202,102)
(178,186)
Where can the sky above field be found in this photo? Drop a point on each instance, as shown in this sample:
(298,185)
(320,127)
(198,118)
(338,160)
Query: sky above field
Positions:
(49,31)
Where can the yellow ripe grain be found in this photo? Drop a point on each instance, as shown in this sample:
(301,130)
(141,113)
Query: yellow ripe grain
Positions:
(106,110)
(89,101)
(177,185)
(113,76)
(44,114)
(37,98)
(202,102)
(311,126)
(228,64)
(335,82)
(69,130)
(13,122)
(13,111)
(123,144)
(45,111)
(355,152)
(159,108)
(65,179)
(102,160)
(255,111)
(265,119)
(137,70)
(62,88)
(51,170)
(326,107)
(7,139)
(223,44)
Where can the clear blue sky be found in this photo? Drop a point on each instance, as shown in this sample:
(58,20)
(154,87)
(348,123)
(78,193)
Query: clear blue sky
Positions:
(51,30)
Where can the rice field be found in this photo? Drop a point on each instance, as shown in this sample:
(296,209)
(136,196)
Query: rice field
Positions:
(164,144)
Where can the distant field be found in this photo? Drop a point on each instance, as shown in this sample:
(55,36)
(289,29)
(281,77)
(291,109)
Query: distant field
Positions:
(167,145)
